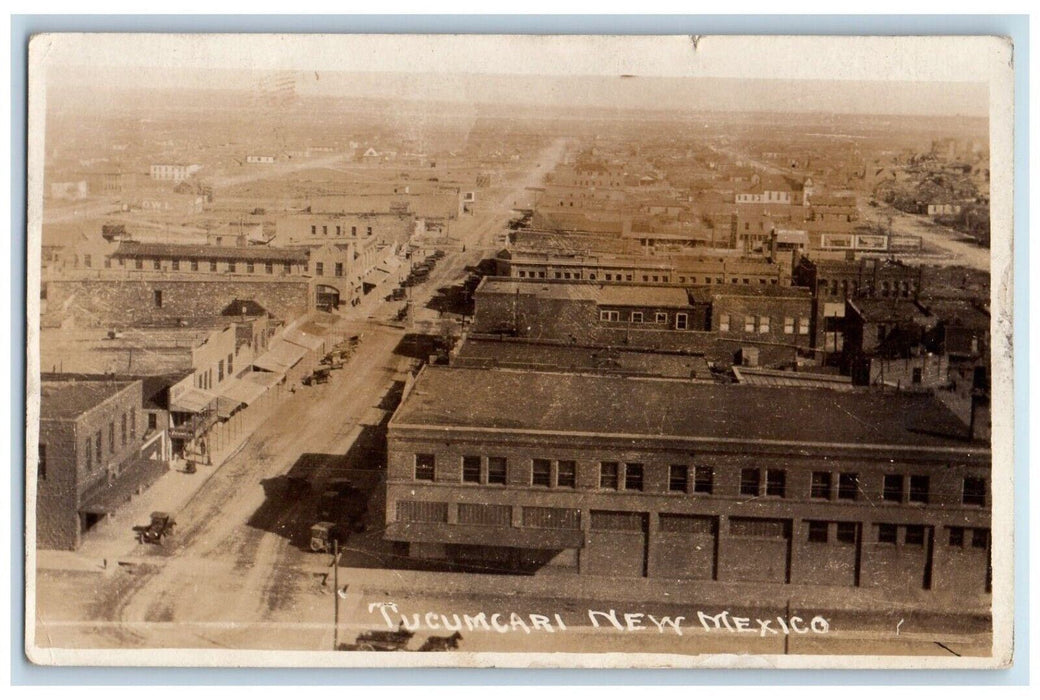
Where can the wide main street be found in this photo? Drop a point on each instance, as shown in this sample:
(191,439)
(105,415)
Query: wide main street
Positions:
(234,558)
(239,575)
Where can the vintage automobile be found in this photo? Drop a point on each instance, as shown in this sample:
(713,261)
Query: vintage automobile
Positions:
(318,376)
(156,532)
(322,536)
(342,502)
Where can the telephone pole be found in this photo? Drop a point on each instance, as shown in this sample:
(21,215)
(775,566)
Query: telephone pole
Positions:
(335,594)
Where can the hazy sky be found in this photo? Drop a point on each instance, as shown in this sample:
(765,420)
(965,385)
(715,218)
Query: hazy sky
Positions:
(924,75)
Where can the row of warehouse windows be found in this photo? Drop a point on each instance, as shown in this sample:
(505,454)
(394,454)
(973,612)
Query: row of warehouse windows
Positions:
(630,277)
(895,288)
(211,265)
(754,482)
(752,324)
(763,324)
(339,230)
(660,317)
(816,531)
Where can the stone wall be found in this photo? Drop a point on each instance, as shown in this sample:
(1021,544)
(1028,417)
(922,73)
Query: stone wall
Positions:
(122,302)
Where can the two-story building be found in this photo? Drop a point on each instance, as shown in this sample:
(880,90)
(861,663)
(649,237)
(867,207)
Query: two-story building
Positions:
(653,478)
(89,456)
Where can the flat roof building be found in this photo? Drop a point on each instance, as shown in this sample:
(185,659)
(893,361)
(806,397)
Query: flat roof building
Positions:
(89,456)
(656,478)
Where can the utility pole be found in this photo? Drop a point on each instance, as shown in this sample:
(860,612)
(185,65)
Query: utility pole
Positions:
(335,594)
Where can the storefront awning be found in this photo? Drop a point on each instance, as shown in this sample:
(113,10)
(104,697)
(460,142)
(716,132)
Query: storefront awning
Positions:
(264,379)
(226,407)
(192,401)
(298,337)
(281,357)
(242,391)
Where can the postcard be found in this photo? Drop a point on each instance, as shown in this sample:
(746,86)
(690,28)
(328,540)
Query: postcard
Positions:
(529,351)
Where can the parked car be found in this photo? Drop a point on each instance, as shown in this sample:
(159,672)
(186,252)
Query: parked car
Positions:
(157,531)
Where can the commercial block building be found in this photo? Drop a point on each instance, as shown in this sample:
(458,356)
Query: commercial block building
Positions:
(715,321)
(642,269)
(833,281)
(678,480)
(89,456)
(306,228)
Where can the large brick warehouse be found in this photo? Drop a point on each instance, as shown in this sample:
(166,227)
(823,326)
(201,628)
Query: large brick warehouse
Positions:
(679,480)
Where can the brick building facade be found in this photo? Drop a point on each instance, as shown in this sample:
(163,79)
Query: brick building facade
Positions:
(712,321)
(643,478)
(89,456)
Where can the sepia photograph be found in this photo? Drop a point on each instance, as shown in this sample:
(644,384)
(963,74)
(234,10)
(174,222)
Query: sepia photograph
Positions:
(519,351)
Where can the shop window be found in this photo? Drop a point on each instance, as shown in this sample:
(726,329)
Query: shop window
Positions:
(846,533)
(974,491)
(818,531)
(893,488)
(633,477)
(821,485)
(424,467)
(887,533)
(541,472)
(471,470)
(914,535)
(980,538)
(566,473)
(918,489)
(704,480)
(678,477)
(749,480)
(496,470)
(776,482)
(848,486)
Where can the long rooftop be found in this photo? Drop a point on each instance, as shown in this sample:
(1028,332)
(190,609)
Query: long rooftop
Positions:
(602,293)
(134,249)
(566,403)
